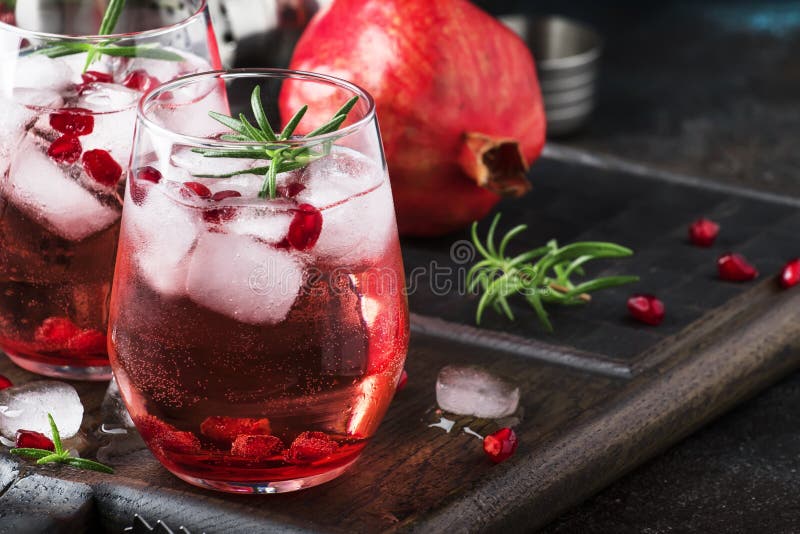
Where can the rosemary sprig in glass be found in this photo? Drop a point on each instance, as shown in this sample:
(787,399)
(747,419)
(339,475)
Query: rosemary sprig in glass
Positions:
(60,455)
(108,48)
(282,156)
(545,281)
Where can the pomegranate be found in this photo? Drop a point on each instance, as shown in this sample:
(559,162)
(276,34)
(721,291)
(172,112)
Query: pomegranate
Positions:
(457,96)
(501,445)
(790,274)
(703,232)
(646,309)
(735,268)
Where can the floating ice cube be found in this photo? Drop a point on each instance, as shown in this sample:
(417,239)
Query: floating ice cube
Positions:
(164,231)
(360,228)
(37,186)
(265,225)
(472,390)
(42,98)
(246,280)
(114,119)
(26,407)
(39,71)
(14,117)
(195,164)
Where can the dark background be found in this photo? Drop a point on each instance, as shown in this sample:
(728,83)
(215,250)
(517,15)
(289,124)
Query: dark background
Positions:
(708,89)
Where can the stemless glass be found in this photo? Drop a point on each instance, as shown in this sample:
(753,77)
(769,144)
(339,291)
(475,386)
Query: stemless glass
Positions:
(257,342)
(66,129)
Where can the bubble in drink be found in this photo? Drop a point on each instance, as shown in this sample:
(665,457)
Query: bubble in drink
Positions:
(26,407)
(472,390)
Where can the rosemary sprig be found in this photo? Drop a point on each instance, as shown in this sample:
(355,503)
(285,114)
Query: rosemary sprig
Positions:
(281,156)
(108,48)
(545,281)
(60,455)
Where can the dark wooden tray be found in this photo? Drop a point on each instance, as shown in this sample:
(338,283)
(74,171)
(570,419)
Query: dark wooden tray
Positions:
(600,396)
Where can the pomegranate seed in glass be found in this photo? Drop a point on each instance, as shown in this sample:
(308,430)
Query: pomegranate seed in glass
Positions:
(66,129)
(258,322)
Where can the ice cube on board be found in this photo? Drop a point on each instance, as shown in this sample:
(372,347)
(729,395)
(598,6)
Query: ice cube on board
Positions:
(26,407)
(246,280)
(472,390)
(360,228)
(164,232)
(41,189)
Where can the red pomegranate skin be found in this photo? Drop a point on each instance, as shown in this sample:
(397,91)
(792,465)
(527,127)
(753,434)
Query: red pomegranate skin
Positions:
(437,70)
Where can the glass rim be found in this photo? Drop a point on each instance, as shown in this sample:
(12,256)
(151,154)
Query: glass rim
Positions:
(154,32)
(204,142)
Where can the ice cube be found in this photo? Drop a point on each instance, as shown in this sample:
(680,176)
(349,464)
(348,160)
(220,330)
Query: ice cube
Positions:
(14,118)
(26,407)
(165,232)
(114,119)
(37,186)
(39,71)
(41,98)
(246,280)
(361,228)
(194,164)
(472,390)
(265,225)
(115,414)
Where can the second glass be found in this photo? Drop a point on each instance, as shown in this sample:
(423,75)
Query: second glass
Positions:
(66,128)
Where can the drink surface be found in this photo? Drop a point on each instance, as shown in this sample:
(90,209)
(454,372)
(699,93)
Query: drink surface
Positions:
(65,143)
(254,340)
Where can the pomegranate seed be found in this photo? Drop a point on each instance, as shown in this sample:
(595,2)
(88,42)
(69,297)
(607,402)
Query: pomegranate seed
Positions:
(790,275)
(88,342)
(500,446)
(291,190)
(91,76)
(139,80)
(101,167)
(735,268)
(305,227)
(403,380)
(56,331)
(162,435)
(197,188)
(222,195)
(75,121)
(148,173)
(646,309)
(256,446)
(5,382)
(310,447)
(222,428)
(65,149)
(703,232)
(28,439)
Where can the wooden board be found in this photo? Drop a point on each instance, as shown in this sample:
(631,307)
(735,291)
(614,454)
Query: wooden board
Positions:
(599,396)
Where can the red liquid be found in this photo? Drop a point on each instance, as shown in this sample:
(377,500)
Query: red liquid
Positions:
(331,366)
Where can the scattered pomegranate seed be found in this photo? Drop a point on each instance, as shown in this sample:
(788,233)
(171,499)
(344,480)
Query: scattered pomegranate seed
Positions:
(139,80)
(403,380)
(56,331)
(223,428)
(197,188)
(310,447)
(222,195)
(305,227)
(735,268)
(5,382)
(91,76)
(256,446)
(65,149)
(790,274)
(703,232)
(101,167)
(646,309)
(291,190)
(28,439)
(88,342)
(501,445)
(75,121)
